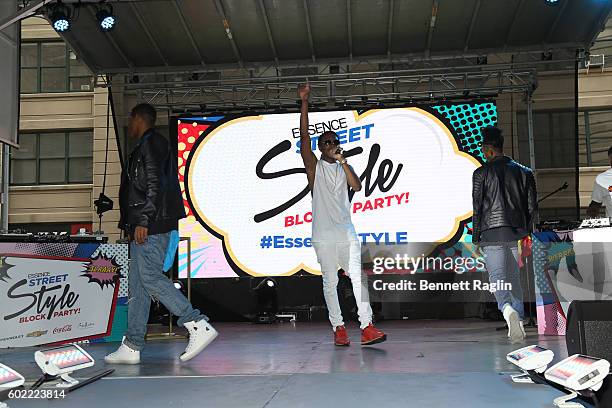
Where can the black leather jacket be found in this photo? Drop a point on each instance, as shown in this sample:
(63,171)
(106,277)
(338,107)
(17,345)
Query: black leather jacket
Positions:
(150,194)
(504,195)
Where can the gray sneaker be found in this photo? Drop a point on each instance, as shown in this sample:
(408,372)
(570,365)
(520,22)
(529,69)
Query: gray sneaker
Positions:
(516,332)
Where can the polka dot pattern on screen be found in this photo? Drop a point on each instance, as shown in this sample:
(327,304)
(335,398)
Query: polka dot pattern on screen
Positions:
(467,120)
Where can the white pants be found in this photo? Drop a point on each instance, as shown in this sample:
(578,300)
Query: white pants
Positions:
(347,255)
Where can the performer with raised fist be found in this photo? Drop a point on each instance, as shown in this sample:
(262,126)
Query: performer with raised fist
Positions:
(333,235)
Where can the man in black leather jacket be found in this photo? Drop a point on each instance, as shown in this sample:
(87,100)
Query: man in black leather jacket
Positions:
(505,207)
(151,205)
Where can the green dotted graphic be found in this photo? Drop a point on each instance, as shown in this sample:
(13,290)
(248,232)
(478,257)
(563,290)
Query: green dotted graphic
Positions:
(467,120)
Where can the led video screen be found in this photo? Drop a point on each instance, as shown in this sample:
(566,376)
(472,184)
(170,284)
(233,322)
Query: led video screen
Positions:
(246,193)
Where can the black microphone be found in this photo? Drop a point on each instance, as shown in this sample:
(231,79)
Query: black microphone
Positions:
(352,152)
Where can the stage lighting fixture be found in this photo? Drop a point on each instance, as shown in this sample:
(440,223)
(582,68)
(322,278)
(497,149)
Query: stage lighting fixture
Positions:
(530,358)
(63,361)
(60,22)
(106,18)
(60,17)
(267,301)
(178,285)
(103,204)
(9,379)
(552,2)
(579,372)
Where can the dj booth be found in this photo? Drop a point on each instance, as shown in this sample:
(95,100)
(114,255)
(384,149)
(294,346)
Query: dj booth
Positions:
(56,288)
(570,264)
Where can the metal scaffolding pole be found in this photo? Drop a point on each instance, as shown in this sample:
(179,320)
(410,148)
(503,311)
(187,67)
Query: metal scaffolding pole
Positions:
(5,187)
(532,162)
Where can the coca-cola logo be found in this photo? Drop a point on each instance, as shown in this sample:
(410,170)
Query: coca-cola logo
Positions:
(64,329)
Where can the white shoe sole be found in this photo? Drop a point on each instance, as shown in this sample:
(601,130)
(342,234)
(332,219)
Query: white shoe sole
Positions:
(211,335)
(111,361)
(514,326)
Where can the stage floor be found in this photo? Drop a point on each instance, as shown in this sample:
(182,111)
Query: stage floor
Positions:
(457,363)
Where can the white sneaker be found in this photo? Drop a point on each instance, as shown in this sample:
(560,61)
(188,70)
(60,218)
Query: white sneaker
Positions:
(522,329)
(123,355)
(515,332)
(201,334)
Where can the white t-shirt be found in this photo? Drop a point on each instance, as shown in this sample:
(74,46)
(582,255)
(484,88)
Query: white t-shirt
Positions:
(331,209)
(602,191)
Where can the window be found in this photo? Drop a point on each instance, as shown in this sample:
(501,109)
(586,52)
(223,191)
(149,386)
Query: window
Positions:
(52,67)
(595,137)
(53,158)
(554,139)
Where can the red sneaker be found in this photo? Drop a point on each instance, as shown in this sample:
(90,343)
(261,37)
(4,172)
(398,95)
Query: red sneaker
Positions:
(371,335)
(340,337)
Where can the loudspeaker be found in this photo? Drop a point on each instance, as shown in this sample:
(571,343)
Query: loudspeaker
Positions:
(589,325)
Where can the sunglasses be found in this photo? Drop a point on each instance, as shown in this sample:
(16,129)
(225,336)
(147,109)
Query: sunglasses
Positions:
(335,142)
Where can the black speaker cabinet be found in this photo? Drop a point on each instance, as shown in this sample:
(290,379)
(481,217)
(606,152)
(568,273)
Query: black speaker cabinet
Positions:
(589,328)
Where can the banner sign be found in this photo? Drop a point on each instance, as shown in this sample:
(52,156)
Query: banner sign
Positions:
(52,293)
(249,207)
(570,265)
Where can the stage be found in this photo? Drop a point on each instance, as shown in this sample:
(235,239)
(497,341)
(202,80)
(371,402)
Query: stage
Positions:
(423,364)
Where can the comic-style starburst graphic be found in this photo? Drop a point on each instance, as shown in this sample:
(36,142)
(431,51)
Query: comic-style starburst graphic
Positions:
(4,268)
(103,271)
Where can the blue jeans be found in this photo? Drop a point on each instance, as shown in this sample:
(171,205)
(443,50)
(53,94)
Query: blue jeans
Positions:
(146,280)
(502,264)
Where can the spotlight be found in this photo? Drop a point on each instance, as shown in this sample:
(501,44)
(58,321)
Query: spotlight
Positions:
(178,285)
(63,361)
(269,282)
(551,2)
(59,16)
(267,301)
(106,18)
